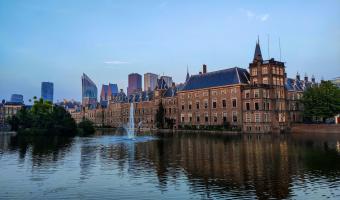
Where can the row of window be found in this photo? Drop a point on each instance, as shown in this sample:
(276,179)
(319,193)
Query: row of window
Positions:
(275,70)
(214,104)
(257,117)
(214,118)
(265,106)
(205,93)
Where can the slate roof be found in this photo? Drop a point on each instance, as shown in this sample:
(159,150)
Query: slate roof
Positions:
(161,84)
(224,77)
(294,85)
(258,54)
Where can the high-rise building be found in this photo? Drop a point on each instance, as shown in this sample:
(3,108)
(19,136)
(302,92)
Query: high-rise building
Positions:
(150,81)
(89,91)
(167,79)
(47,91)
(135,83)
(17,98)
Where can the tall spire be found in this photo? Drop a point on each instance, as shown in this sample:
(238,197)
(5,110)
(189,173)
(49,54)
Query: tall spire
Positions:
(258,54)
(188,76)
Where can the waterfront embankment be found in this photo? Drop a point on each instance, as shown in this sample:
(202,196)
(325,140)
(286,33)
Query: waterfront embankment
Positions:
(315,128)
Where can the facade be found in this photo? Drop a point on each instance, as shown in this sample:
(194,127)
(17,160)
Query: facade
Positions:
(18,98)
(258,100)
(89,92)
(107,92)
(134,83)
(47,91)
(150,81)
(167,79)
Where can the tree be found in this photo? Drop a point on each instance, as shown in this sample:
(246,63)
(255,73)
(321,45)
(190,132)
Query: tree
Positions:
(160,116)
(86,127)
(321,101)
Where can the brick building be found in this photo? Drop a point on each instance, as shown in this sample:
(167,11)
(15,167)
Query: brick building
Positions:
(260,100)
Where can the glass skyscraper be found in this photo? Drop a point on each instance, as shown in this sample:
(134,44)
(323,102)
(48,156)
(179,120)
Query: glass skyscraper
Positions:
(47,91)
(89,91)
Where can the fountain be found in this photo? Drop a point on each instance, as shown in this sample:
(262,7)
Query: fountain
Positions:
(131,126)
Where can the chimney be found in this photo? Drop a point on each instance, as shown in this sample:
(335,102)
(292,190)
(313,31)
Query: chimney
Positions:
(204,68)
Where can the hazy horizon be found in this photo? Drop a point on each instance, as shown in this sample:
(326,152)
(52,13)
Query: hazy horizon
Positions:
(57,41)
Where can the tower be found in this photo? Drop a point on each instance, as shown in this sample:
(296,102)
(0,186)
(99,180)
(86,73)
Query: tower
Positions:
(266,94)
(188,76)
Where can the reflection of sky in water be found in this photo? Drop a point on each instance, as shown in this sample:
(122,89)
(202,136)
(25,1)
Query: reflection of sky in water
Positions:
(178,167)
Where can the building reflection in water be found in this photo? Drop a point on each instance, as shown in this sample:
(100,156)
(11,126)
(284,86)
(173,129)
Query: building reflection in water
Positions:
(265,166)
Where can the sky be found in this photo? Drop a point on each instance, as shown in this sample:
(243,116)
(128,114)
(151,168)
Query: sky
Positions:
(57,41)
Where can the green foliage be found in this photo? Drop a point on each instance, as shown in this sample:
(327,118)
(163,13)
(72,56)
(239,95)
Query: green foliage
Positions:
(322,101)
(160,116)
(86,128)
(44,118)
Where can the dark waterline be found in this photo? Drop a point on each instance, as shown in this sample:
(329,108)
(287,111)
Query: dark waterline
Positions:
(187,166)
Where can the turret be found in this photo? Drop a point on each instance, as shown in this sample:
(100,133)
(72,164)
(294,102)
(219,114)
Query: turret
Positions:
(297,76)
(258,54)
(306,78)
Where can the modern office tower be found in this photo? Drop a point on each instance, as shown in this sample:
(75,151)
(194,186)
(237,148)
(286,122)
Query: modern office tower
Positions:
(150,81)
(17,98)
(135,83)
(167,79)
(47,91)
(89,92)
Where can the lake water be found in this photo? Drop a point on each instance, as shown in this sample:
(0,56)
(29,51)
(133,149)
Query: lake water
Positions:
(186,166)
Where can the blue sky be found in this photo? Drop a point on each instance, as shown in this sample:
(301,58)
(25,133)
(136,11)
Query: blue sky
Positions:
(59,40)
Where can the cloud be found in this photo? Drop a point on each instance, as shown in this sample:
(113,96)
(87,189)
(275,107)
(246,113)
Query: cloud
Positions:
(264,17)
(254,16)
(116,62)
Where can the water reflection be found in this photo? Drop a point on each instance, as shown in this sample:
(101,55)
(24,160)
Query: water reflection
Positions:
(183,166)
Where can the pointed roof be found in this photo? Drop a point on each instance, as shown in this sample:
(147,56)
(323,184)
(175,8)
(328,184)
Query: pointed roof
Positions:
(161,84)
(258,54)
(188,76)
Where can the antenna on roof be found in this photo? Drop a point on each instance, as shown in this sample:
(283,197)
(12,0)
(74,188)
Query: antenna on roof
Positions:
(268,47)
(280,48)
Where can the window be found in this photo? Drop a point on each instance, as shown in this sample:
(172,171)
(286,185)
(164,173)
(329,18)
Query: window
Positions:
(273,70)
(214,93)
(197,105)
(234,116)
(265,80)
(206,117)
(254,71)
(205,94)
(182,106)
(254,81)
(197,118)
(247,94)
(223,91)
(264,70)
(265,117)
(257,93)
(214,103)
(257,117)
(257,106)
(248,117)
(189,106)
(247,106)
(190,118)
(215,117)
(205,103)
(224,117)
(234,103)
(189,95)
(224,103)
